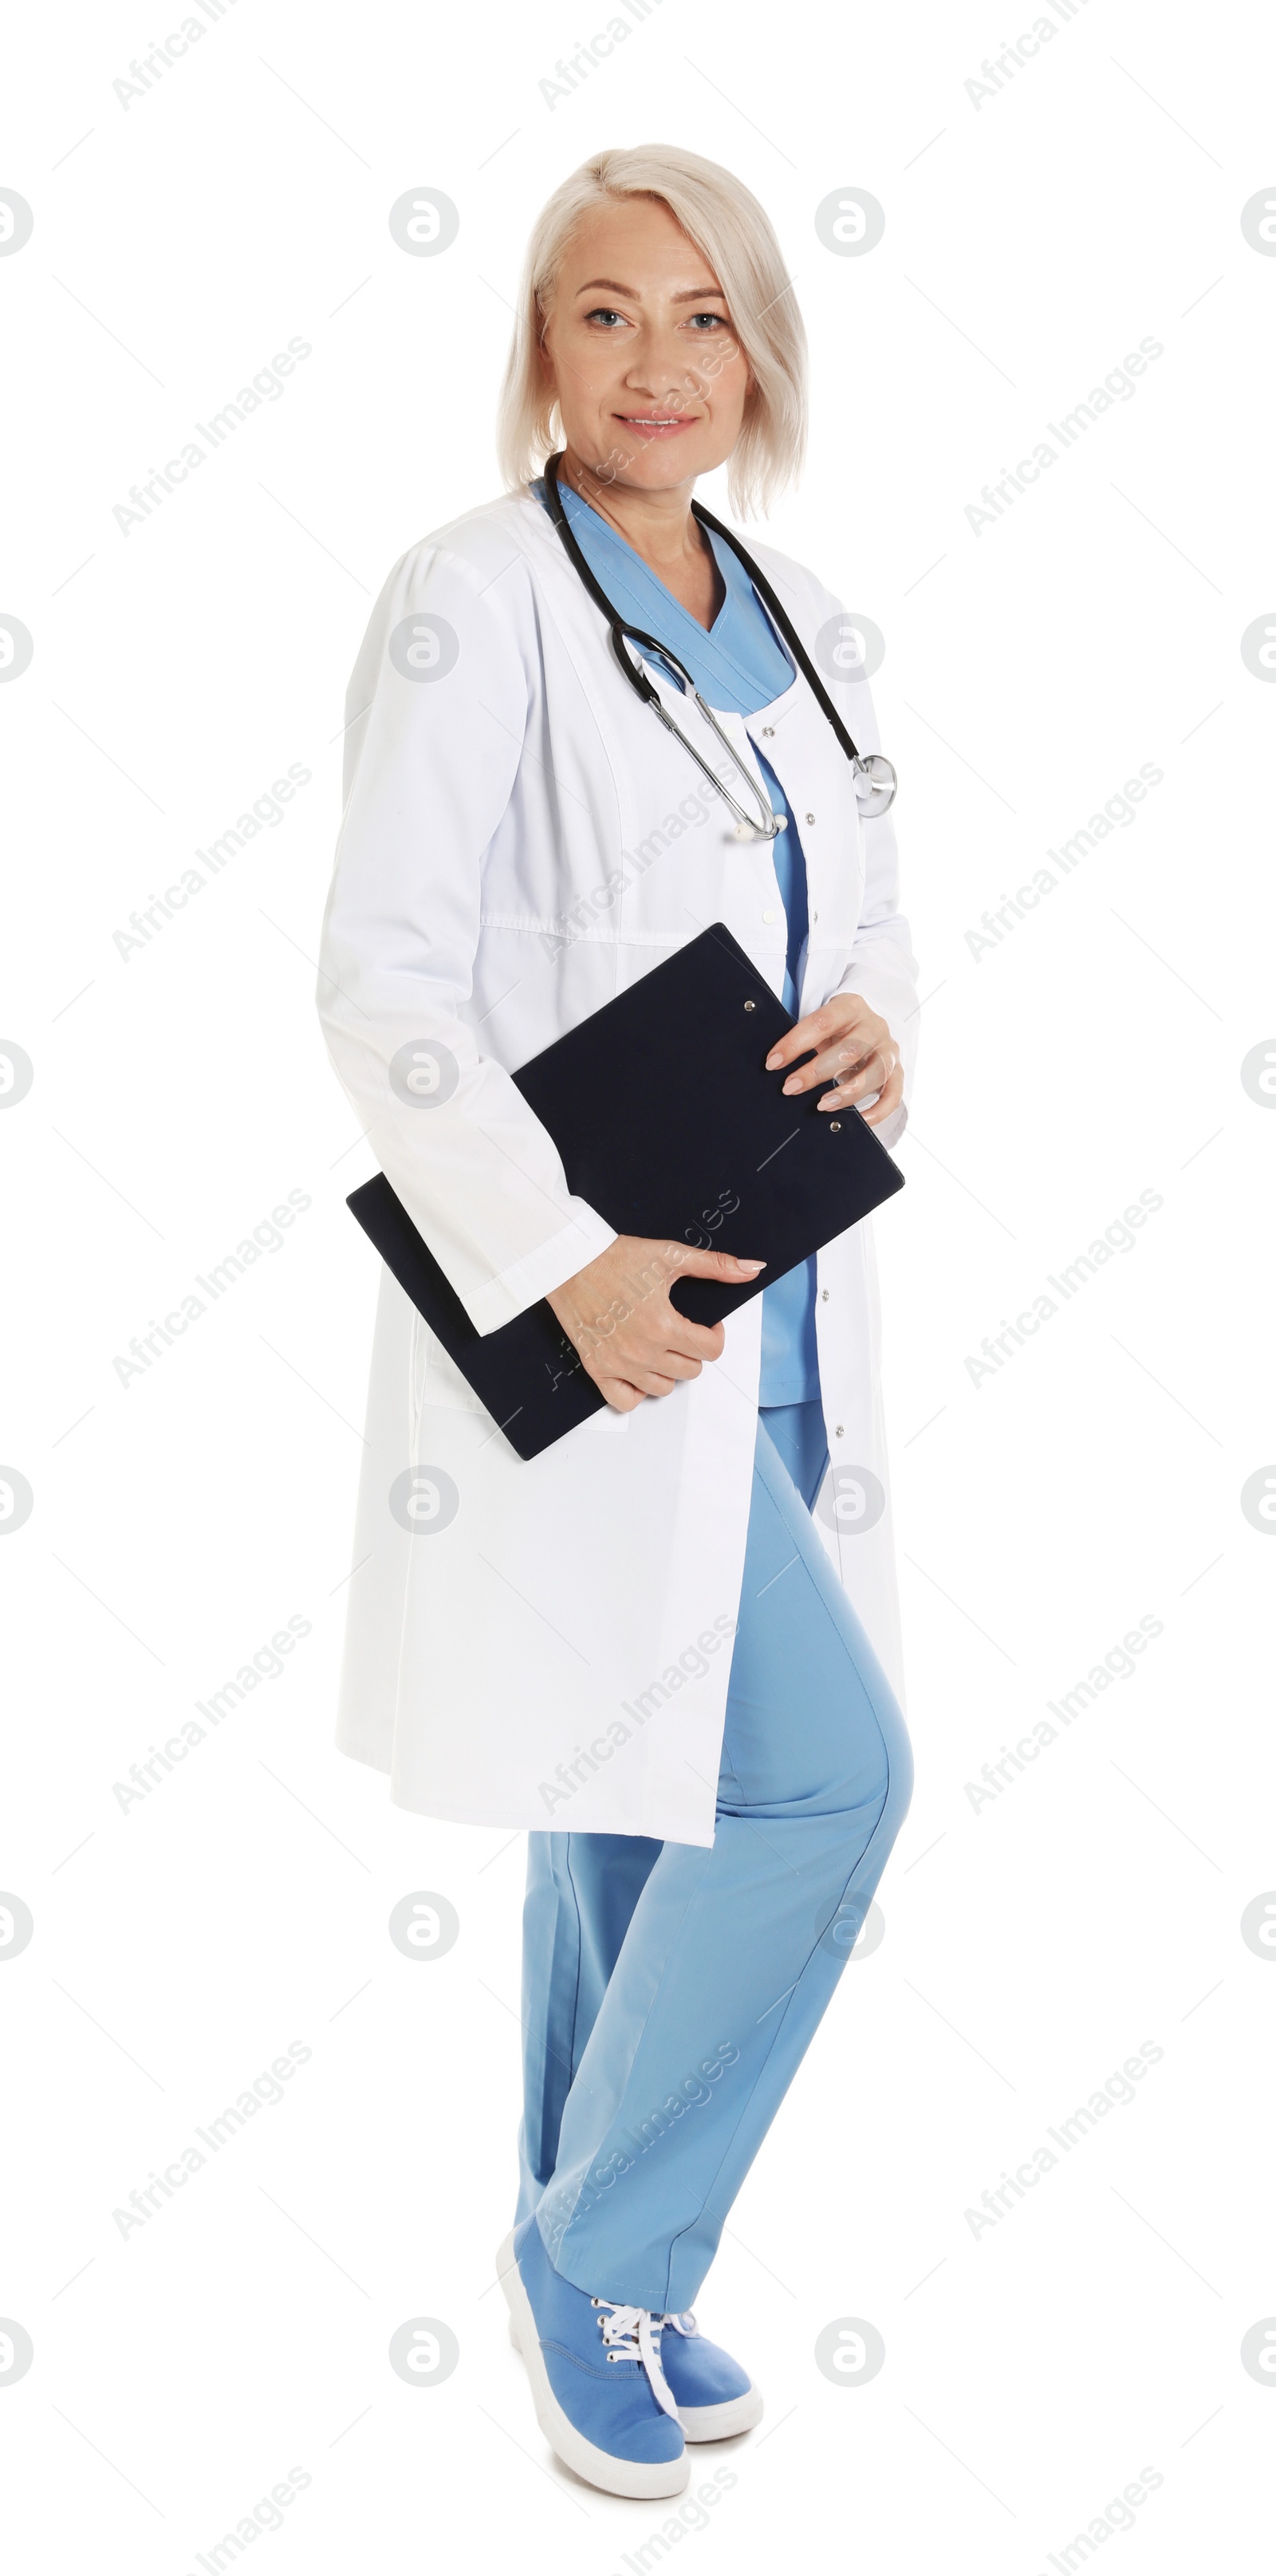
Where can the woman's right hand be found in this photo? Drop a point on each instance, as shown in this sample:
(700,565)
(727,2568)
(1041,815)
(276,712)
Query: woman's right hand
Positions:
(617,1313)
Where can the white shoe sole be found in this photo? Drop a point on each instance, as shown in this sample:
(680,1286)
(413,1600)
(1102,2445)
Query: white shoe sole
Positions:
(643,2479)
(701,2423)
(718,2423)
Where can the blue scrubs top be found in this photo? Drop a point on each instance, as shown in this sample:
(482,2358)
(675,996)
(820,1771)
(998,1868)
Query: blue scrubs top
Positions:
(739,665)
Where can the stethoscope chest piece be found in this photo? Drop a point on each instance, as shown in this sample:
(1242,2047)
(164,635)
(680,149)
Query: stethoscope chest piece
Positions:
(883,783)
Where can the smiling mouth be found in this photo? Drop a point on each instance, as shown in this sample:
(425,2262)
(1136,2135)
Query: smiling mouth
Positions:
(654,421)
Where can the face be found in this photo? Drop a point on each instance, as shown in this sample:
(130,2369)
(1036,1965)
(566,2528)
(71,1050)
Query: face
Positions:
(652,383)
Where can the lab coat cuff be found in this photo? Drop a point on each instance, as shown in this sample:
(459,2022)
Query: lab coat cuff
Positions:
(578,1243)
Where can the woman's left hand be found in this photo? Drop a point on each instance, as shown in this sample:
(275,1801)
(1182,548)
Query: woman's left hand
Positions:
(854,1045)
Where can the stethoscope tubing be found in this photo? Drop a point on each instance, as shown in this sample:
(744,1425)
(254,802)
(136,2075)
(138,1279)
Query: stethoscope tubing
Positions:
(770,823)
(870,768)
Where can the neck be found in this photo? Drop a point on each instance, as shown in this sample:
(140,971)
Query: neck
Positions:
(658,525)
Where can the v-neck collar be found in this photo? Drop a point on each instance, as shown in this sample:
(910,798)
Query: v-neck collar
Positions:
(728,673)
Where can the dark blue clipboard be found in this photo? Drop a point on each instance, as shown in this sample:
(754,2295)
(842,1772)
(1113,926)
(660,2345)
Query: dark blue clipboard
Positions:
(669,1125)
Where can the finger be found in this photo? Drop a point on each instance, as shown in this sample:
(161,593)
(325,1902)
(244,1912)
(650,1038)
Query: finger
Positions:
(661,1276)
(620,1393)
(873,1085)
(694,1341)
(845,1052)
(635,1356)
(814,1030)
(866,1065)
(885,1107)
(863,1086)
(653,1382)
(622,1398)
(795,1042)
(684,1257)
(861,1078)
(822,1028)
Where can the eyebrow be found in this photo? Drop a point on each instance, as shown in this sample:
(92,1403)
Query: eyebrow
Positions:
(688,294)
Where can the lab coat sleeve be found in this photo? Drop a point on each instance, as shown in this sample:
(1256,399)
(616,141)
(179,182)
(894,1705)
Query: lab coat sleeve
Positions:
(431,764)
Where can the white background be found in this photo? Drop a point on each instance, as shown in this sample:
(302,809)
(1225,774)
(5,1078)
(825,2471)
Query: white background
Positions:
(1032,1943)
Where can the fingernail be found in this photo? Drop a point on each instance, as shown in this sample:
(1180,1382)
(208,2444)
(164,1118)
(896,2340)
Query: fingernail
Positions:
(794,1083)
(750,1265)
(771,1062)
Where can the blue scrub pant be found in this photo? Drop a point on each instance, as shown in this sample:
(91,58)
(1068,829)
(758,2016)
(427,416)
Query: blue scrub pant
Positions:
(670,1992)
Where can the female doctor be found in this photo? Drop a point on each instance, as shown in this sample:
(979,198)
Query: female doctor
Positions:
(641,1646)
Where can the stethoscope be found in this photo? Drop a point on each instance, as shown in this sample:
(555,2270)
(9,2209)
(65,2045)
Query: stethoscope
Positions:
(878,773)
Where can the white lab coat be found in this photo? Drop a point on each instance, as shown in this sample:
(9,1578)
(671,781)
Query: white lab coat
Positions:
(521,840)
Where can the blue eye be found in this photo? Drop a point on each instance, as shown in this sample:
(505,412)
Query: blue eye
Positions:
(718,319)
(604,313)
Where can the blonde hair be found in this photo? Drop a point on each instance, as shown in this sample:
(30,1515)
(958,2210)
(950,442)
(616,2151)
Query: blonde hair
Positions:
(728,226)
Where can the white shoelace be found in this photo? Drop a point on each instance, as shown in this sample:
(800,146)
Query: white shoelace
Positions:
(630,2334)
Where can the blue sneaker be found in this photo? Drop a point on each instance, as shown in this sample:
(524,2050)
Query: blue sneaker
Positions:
(597,2385)
(714,2396)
